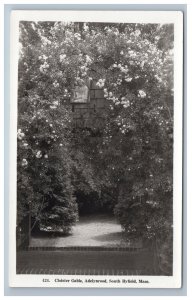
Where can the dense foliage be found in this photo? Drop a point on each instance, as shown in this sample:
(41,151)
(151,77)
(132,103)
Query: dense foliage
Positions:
(128,163)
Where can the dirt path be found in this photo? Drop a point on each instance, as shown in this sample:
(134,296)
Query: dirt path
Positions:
(93,230)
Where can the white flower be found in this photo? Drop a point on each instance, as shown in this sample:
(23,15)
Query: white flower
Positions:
(39,154)
(137,32)
(55,84)
(126,105)
(62,57)
(24,162)
(114,65)
(142,64)
(44,57)
(51,125)
(85,27)
(127,79)
(88,59)
(60,145)
(77,36)
(20,134)
(25,144)
(100,83)
(121,52)
(141,94)
(46,156)
(124,70)
(56,102)
(43,68)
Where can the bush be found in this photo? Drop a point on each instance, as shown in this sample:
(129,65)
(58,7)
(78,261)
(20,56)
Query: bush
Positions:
(59,214)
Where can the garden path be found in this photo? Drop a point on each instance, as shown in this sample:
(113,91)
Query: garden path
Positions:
(91,230)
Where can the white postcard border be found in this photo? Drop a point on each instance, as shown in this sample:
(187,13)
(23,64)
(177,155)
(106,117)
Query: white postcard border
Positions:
(17,280)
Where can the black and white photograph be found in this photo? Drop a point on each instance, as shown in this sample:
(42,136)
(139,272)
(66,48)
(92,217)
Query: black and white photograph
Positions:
(97,126)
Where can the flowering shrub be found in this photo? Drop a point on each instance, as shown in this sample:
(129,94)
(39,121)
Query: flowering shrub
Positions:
(129,160)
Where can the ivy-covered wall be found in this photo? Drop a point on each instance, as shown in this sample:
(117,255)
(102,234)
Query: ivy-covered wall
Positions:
(90,114)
